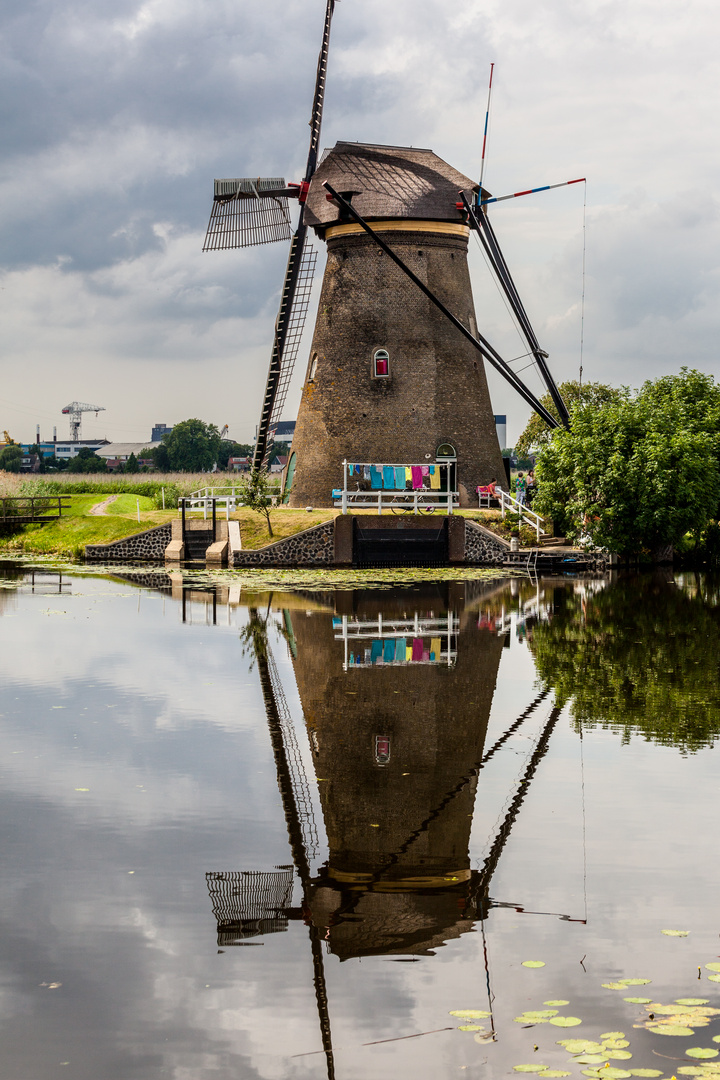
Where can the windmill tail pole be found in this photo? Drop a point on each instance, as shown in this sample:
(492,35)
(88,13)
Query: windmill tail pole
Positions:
(485,132)
(497,260)
(319,95)
(484,347)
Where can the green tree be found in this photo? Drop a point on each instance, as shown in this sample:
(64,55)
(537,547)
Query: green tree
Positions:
(537,433)
(636,473)
(131,465)
(254,492)
(10,458)
(639,657)
(191,446)
(87,461)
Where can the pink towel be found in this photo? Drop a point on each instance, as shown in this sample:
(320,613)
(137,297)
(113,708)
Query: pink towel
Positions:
(417,647)
(426,654)
(416,480)
(425,470)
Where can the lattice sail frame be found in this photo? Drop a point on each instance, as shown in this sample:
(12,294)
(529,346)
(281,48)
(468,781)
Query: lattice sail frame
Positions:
(242,217)
(293,338)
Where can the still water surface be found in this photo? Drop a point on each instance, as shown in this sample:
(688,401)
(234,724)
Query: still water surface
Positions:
(289,834)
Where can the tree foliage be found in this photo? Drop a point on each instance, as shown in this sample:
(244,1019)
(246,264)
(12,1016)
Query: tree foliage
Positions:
(640,657)
(87,461)
(537,433)
(254,492)
(191,446)
(637,472)
(10,457)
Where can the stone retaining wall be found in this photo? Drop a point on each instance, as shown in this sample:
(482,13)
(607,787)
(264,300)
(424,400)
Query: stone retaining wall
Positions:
(312,547)
(481,547)
(145,546)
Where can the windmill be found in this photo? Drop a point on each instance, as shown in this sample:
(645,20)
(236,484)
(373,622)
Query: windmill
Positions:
(395,371)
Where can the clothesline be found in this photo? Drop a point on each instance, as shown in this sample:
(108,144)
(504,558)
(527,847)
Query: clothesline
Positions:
(397,477)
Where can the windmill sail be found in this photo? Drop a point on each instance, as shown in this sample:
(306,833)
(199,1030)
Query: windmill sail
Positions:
(285,360)
(293,273)
(248,212)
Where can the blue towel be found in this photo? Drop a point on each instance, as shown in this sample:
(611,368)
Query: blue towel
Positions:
(400,479)
(336,622)
(375,477)
(400,647)
(389,653)
(366,471)
(376,651)
(432,470)
(388,477)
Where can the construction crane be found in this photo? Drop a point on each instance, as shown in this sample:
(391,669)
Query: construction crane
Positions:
(75,410)
(9,441)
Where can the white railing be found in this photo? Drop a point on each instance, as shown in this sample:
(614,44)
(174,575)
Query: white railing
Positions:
(509,504)
(387,494)
(442,630)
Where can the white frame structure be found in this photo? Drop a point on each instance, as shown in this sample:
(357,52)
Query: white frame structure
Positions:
(397,498)
(445,627)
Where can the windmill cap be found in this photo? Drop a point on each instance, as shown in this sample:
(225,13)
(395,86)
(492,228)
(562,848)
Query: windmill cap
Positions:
(390,182)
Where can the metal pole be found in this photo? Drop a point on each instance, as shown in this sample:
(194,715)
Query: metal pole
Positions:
(214,522)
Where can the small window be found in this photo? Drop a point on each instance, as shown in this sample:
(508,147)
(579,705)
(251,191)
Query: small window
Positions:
(381,364)
(446,452)
(313,368)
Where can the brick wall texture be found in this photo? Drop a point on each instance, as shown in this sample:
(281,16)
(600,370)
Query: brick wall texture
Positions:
(437,391)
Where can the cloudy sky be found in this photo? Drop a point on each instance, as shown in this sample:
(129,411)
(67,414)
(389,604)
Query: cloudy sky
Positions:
(117,118)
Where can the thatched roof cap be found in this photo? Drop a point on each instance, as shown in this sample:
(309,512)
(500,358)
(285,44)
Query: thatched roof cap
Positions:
(389,181)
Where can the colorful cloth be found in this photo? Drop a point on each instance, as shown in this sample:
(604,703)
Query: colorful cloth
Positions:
(435,648)
(435,477)
(366,472)
(389,651)
(416,477)
(375,477)
(376,651)
(417,648)
(408,652)
(400,479)
(388,477)
(400,650)
(408,473)
(425,470)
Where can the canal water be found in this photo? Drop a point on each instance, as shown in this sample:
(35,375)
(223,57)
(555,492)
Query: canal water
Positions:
(451,828)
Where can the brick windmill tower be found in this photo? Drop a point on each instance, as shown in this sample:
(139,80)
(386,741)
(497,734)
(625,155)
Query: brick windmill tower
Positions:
(396,372)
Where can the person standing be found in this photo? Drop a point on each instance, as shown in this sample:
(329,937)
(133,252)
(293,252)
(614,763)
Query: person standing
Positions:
(520,488)
(529,488)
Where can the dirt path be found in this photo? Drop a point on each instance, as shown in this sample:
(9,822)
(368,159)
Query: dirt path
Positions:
(101,507)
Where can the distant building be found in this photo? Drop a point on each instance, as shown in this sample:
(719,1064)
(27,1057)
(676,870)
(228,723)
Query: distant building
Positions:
(158,431)
(501,428)
(67,450)
(239,464)
(278,464)
(117,454)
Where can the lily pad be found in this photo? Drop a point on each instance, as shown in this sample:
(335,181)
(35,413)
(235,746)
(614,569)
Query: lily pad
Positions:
(580,1046)
(533,963)
(646,1072)
(714,978)
(713,967)
(716,1038)
(554,1072)
(470,1014)
(566,1021)
(591,1059)
(534,1068)
(615,1074)
(615,1044)
(471,1027)
(675,933)
(559,1002)
(540,1013)
(613,986)
(702,1052)
(524,1019)
(638,1001)
(692,1001)
(612,1035)
(691,1070)
(619,1055)
(635,982)
(670,1029)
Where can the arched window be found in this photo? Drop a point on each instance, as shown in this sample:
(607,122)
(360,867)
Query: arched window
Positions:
(445,452)
(313,367)
(381,364)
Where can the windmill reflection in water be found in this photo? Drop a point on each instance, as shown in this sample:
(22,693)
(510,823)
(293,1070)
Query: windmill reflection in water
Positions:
(397,738)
